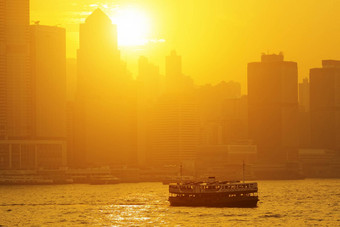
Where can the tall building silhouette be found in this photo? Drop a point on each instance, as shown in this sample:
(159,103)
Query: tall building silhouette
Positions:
(273,108)
(175,119)
(175,81)
(148,82)
(15,86)
(215,107)
(175,130)
(149,79)
(325,105)
(304,95)
(235,120)
(104,104)
(32,108)
(48,69)
(304,114)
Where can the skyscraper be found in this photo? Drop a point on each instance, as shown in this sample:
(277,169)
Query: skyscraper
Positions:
(148,82)
(304,95)
(273,108)
(175,130)
(175,122)
(15,86)
(48,69)
(175,81)
(104,104)
(31,93)
(325,105)
(304,114)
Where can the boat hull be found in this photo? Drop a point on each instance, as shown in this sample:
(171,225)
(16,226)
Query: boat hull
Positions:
(209,202)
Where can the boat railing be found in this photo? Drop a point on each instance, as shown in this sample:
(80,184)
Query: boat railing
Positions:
(208,188)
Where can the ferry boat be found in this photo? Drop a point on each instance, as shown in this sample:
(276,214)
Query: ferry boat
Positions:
(214,194)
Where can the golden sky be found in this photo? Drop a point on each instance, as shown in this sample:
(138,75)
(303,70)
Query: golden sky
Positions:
(217,38)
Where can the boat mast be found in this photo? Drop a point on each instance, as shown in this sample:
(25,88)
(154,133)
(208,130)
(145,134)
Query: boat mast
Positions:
(181,170)
(243,167)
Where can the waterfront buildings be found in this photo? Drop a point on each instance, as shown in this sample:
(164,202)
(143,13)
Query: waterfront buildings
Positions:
(175,119)
(148,90)
(325,105)
(105,111)
(32,91)
(273,108)
(48,76)
(15,87)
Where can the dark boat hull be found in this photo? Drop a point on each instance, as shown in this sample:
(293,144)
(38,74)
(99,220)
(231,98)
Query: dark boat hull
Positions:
(208,202)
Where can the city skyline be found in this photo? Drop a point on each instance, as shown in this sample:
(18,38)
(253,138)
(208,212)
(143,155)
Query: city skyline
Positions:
(169,113)
(107,117)
(234,22)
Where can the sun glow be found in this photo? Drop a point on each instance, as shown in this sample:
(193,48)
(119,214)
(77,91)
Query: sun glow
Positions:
(133,26)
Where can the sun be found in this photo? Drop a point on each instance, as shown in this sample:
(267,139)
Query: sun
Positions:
(133,26)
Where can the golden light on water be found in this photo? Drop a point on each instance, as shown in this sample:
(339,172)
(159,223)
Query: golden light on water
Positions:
(133,25)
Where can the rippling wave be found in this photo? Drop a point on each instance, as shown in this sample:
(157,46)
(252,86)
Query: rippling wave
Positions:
(292,203)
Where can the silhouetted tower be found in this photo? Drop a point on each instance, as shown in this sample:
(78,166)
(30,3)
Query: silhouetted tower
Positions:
(325,105)
(148,78)
(99,65)
(15,78)
(175,130)
(304,114)
(173,66)
(28,93)
(304,95)
(48,68)
(175,81)
(148,91)
(273,108)
(175,121)
(102,105)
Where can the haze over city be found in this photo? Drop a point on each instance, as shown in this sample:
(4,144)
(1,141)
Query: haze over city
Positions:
(149,112)
(229,34)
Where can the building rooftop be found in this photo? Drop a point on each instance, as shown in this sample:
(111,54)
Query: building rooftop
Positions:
(272,57)
(330,63)
(98,16)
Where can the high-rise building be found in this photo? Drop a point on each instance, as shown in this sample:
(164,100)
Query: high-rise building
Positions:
(273,108)
(325,105)
(148,81)
(48,69)
(175,130)
(235,120)
(175,119)
(216,105)
(304,94)
(15,86)
(175,81)
(304,114)
(32,80)
(105,107)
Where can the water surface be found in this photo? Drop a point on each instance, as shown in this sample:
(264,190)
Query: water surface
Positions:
(294,203)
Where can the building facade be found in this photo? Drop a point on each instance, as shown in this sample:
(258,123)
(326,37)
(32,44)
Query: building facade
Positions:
(175,119)
(32,77)
(15,86)
(325,105)
(48,76)
(105,118)
(273,108)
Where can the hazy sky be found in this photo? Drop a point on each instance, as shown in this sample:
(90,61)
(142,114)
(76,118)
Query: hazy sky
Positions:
(217,38)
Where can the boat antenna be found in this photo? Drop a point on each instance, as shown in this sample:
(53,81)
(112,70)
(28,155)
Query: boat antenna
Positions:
(243,167)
